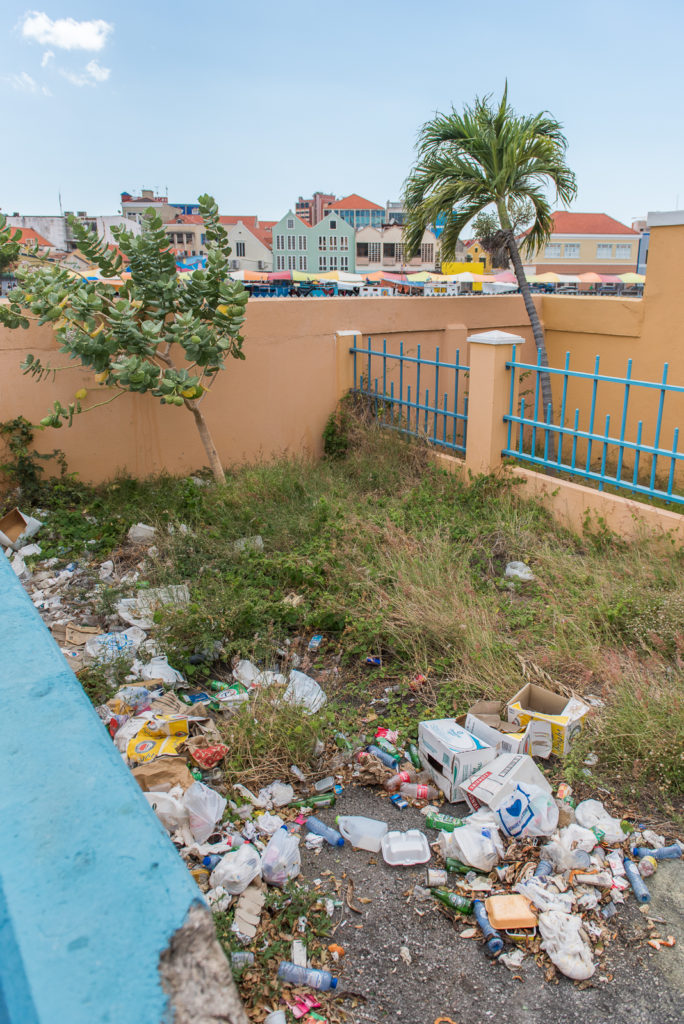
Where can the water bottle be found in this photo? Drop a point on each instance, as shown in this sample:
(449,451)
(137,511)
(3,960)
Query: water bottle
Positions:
(390,760)
(494,941)
(636,881)
(544,869)
(211,861)
(443,822)
(319,828)
(413,755)
(311,976)
(416,791)
(673,852)
(363,833)
(324,785)
(453,900)
(240,960)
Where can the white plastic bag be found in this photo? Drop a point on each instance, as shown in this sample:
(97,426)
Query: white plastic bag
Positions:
(169,808)
(304,691)
(109,646)
(592,813)
(545,899)
(205,807)
(477,845)
(527,811)
(237,870)
(570,849)
(269,823)
(564,945)
(281,860)
(159,668)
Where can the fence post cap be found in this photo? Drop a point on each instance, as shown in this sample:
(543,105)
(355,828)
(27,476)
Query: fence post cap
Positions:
(495,338)
(345,333)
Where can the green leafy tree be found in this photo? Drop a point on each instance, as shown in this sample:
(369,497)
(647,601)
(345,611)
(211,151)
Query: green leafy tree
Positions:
(154,333)
(486,159)
(9,244)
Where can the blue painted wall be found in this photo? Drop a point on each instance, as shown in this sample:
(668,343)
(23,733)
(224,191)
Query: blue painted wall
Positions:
(91,887)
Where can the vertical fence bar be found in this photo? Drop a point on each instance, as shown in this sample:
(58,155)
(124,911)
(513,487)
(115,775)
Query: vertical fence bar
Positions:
(427,402)
(384,368)
(520,426)
(356,384)
(392,402)
(444,419)
(368,379)
(637,454)
(376,398)
(401,380)
(511,411)
(605,452)
(659,423)
(465,421)
(562,414)
(547,434)
(408,407)
(537,373)
(434,425)
(574,439)
(623,423)
(592,413)
(673,462)
(418,387)
(456,382)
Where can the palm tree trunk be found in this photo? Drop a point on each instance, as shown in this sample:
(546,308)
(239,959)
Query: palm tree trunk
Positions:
(538,333)
(207,441)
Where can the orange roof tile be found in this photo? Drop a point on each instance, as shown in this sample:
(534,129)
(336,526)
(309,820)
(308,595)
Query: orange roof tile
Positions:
(353,202)
(30,235)
(566,223)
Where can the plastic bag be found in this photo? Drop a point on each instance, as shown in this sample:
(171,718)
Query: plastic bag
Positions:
(109,646)
(269,823)
(592,813)
(477,845)
(571,848)
(545,899)
(304,691)
(205,807)
(564,945)
(159,668)
(527,811)
(281,859)
(169,808)
(237,870)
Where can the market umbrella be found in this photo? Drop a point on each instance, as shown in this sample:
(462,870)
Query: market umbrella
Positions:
(507,276)
(590,278)
(247,275)
(632,278)
(280,275)
(611,279)
(549,278)
(340,275)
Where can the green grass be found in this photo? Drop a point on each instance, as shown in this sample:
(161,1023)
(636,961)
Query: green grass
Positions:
(392,556)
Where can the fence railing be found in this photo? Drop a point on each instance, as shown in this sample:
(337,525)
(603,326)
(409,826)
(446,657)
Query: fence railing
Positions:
(590,452)
(396,384)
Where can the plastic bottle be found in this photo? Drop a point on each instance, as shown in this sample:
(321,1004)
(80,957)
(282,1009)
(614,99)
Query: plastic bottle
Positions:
(443,822)
(635,880)
(363,833)
(311,976)
(324,785)
(647,866)
(211,861)
(382,755)
(543,869)
(453,900)
(494,940)
(342,742)
(413,756)
(315,800)
(673,852)
(392,784)
(319,828)
(239,959)
(416,791)
(384,744)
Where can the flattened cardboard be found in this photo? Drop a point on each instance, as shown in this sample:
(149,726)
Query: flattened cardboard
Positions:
(563,715)
(451,754)
(500,777)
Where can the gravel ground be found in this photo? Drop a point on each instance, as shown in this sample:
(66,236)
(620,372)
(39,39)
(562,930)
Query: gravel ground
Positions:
(451,978)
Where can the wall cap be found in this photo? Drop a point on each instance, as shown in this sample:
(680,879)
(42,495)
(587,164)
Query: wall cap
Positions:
(664,218)
(495,338)
(341,334)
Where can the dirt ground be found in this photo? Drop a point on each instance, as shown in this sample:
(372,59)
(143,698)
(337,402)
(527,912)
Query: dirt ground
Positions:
(450,977)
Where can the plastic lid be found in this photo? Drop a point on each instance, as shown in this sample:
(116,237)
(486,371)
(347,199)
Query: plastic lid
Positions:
(340,841)
(333,983)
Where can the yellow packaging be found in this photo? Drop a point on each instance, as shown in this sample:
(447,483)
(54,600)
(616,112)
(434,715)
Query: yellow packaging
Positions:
(163,734)
(563,715)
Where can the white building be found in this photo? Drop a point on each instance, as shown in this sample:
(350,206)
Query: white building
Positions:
(58,231)
(383,249)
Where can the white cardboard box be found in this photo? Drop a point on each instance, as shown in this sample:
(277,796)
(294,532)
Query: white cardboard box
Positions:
(562,715)
(534,740)
(499,778)
(451,754)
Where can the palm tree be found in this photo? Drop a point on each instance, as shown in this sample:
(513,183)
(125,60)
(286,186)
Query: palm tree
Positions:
(489,156)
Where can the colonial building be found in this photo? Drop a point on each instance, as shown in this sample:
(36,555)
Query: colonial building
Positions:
(582,242)
(382,248)
(328,245)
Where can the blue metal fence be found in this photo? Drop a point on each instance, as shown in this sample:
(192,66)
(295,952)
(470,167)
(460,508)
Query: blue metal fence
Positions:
(606,459)
(392,381)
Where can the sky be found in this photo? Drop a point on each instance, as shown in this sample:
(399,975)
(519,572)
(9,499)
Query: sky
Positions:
(258,103)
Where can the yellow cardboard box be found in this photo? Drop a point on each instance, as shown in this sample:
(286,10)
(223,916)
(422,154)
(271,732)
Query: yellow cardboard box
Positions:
(563,715)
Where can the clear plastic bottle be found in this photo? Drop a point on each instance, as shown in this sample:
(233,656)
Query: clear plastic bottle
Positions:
(319,828)
(240,960)
(363,833)
(673,852)
(636,881)
(494,941)
(382,755)
(417,791)
(392,784)
(311,976)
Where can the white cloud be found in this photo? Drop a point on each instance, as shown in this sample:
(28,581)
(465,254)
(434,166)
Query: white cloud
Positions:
(96,70)
(22,82)
(47,57)
(65,33)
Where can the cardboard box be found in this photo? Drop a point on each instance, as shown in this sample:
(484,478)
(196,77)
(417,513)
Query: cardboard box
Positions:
(16,528)
(563,715)
(451,754)
(484,721)
(499,778)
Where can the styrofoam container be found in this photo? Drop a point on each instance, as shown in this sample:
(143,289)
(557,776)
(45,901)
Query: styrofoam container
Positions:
(402,849)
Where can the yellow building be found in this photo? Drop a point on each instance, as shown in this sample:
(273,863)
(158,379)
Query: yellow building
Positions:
(583,242)
(470,268)
(479,255)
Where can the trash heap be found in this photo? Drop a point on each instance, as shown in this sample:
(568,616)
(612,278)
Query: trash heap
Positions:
(536,875)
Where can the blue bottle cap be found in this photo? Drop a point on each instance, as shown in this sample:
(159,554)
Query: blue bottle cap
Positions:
(333,983)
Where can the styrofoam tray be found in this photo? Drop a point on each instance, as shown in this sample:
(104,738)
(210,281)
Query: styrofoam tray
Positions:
(402,849)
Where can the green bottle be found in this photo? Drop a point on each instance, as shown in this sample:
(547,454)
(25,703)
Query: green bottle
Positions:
(384,744)
(317,800)
(459,867)
(444,822)
(413,755)
(453,900)
(342,742)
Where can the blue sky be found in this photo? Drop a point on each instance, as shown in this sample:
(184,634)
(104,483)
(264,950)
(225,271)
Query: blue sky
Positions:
(258,103)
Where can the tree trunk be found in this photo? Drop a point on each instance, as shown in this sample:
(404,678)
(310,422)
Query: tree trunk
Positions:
(207,441)
(538,333)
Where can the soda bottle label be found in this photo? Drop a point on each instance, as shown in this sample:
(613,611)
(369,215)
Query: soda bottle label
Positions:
(405,776)
(421,792)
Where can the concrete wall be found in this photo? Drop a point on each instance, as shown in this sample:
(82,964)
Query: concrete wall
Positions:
(276,401)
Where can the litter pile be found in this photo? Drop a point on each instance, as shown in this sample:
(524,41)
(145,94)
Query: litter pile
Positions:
(540,877)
